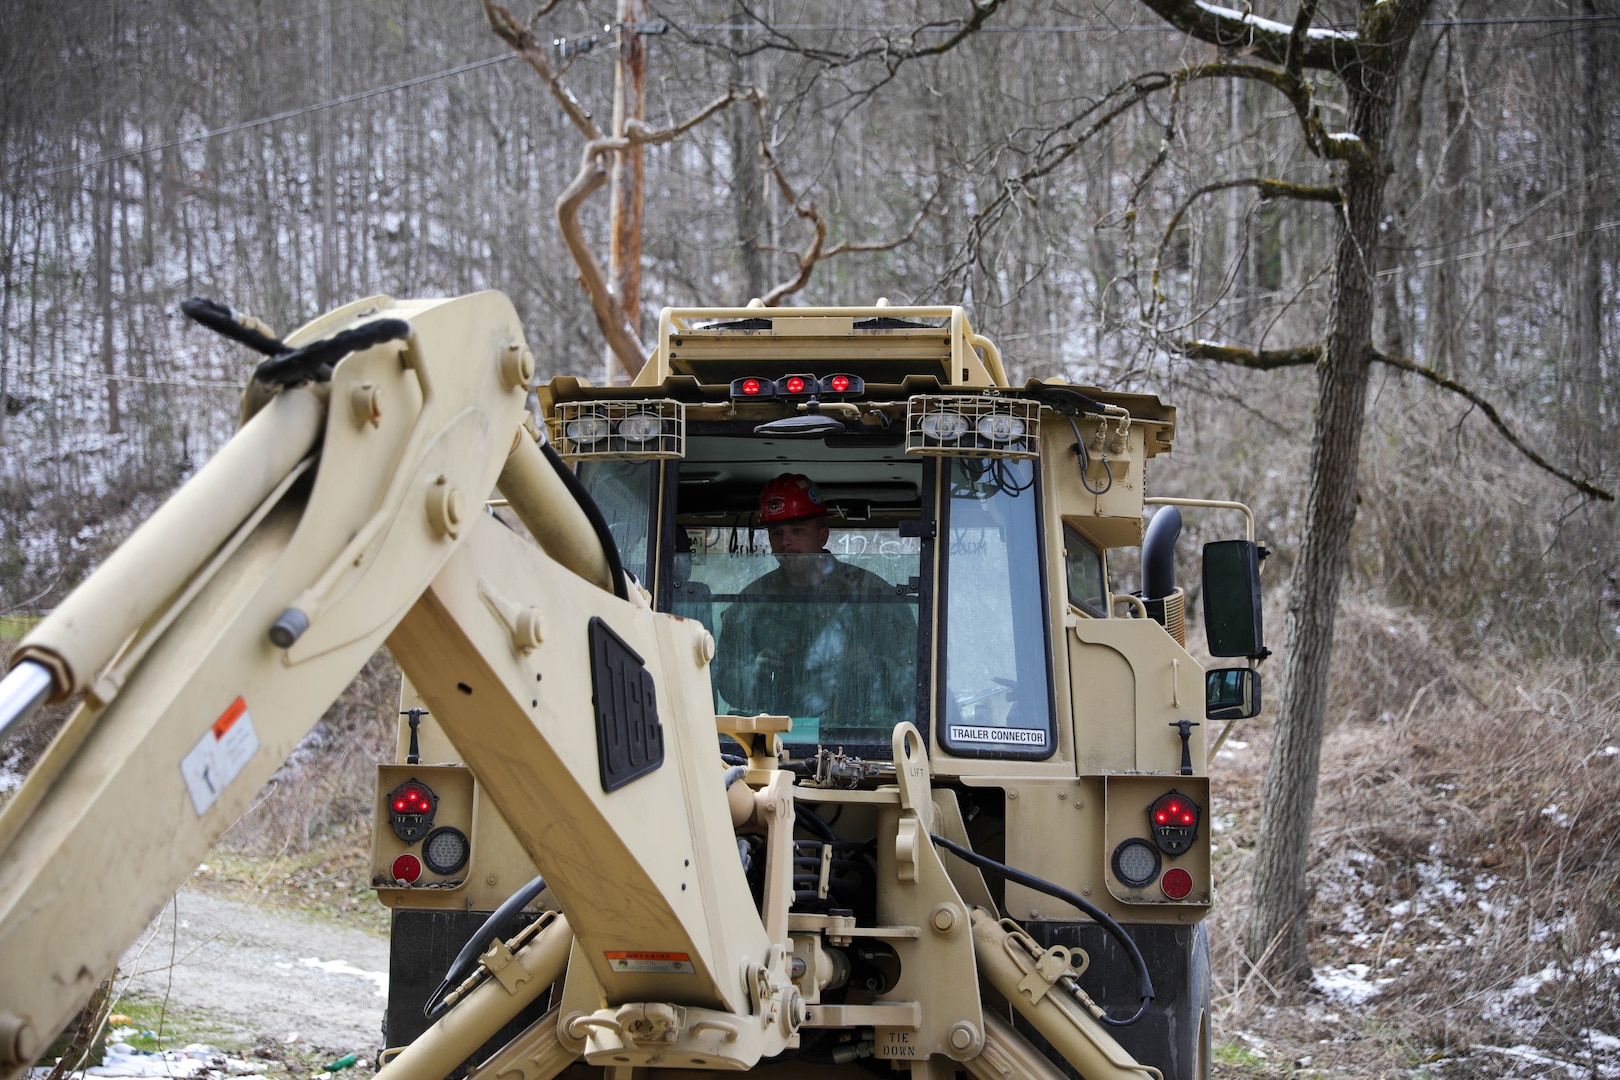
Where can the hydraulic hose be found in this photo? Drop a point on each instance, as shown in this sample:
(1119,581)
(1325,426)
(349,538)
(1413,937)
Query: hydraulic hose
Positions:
(593,514)
(461,967)
(1101,917)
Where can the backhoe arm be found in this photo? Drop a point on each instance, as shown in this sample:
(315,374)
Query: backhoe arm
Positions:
(343,513)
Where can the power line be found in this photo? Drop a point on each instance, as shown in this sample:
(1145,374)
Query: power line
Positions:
(246,125)
(660,27)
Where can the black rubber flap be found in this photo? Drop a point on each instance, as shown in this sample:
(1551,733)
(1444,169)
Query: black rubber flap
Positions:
(629,738)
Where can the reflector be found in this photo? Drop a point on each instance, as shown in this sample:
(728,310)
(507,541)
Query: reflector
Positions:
(1176,884)
(407,868)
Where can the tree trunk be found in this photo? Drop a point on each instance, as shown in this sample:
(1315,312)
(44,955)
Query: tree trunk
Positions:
(1586,370)
(629,103)
(102,229)
(1280,912)
(747,176)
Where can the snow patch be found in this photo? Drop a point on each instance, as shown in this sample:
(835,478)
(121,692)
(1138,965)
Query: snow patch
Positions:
(340,967)
(1352,984)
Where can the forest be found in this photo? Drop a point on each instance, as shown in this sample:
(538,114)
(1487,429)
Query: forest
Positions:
(1369,249)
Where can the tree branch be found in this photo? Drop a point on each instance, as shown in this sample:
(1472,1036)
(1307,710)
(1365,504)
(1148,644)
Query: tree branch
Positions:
(1400,363)
(1298,91)
(1049,155)
(622,338)
(1279,43)
(533,51)
(1268,189)
(809,211)
(616,324)
(1272,359)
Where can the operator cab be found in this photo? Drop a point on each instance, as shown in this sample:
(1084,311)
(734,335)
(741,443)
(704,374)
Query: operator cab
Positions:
(887,624)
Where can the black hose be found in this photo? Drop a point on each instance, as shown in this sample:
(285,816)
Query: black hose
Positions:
(593,514)
(1102,918)
(317,359)
(222,320)
(816,824)
(461,967)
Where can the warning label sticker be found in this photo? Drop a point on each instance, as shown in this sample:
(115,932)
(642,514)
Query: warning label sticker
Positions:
(651,963)
(1010,736)
(222,753)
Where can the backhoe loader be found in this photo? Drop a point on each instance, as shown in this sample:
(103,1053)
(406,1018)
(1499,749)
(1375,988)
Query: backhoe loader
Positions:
(676,788)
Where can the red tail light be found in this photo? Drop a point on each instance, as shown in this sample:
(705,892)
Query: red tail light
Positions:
(1173,819)
(410,811)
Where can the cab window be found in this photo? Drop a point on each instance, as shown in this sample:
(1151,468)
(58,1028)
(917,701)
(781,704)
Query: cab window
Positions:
(1088,588)
(623,491)
(997,697)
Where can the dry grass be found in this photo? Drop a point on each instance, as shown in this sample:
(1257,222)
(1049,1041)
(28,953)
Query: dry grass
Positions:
(1464,875)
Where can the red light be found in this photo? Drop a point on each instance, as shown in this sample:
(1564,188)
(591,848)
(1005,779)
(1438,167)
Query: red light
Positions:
(1176,883)
(399,804)
(795,384)
(840,384)
(408,868)
(751,386)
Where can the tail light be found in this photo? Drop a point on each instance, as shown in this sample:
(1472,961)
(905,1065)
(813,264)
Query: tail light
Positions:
(411,807)
(1174,820)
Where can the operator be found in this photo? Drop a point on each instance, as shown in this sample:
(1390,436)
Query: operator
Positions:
(816,638)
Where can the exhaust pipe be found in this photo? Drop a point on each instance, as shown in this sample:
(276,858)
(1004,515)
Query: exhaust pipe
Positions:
(1166,604)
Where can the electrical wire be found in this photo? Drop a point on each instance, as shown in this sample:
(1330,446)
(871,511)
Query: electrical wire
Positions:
(246,125)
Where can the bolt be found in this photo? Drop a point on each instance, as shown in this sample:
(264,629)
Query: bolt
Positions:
(1063,794)
(365,403)
(962,1035)
(1012,794)
(446,507)
(944,918)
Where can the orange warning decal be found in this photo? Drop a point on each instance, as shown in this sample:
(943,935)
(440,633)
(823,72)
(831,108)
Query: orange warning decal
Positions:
(229,717)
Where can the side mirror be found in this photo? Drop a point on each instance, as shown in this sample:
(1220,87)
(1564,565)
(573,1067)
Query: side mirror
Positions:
(1232,599)
(1231,693)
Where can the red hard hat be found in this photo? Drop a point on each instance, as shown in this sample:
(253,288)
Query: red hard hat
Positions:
(790,497)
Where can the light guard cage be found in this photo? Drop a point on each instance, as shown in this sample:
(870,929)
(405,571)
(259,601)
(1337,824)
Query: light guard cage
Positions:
(625,430)
(997,427)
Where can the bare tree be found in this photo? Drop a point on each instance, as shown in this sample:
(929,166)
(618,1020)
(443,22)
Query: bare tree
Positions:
(1366,63)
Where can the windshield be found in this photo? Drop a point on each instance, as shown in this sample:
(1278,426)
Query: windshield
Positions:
(791,553)
(827,638)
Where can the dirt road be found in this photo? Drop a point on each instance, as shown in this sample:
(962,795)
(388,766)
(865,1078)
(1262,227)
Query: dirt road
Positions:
(264,975)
